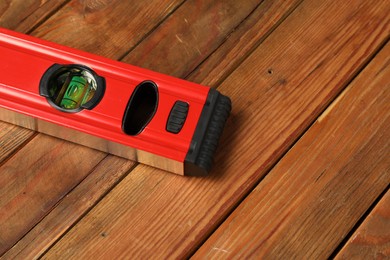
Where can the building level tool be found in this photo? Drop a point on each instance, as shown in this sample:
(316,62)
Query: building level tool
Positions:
(108,105)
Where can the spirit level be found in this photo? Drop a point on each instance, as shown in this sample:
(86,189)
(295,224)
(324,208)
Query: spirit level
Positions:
(111,106)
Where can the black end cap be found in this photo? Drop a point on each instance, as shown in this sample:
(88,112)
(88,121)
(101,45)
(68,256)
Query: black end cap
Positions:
(216,110)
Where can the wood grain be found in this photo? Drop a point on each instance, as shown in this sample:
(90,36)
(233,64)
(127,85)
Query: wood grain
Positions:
(11,139)
(23,15)
(277,92)
(107,28)
(372,239)
(71,208)
(195,30)
(241,42)
(314,196)
(35,179)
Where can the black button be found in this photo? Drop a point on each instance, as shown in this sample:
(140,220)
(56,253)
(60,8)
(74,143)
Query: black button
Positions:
(177,117)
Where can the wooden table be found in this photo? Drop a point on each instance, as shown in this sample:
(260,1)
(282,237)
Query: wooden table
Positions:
(303,167)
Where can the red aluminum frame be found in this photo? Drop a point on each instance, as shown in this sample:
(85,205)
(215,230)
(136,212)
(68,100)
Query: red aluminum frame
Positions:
(25,59)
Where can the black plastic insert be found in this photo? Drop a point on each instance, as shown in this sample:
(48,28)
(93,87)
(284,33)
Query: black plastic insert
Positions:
(141,108)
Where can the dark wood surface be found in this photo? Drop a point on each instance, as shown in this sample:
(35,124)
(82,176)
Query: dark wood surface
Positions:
(303,165)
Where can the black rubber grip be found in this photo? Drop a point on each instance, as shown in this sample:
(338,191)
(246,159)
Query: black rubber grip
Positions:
(177,117)
(199,159)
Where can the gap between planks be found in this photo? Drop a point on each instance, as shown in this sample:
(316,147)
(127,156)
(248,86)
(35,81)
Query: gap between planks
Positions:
(327,109)
(223,238)
(219,80)
(17,149)
(359,223)
(81,216)
(24,25)
(150,32)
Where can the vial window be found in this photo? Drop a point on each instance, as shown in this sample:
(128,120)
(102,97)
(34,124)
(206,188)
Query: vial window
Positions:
(71,88)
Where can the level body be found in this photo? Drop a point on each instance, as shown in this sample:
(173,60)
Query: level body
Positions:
(138,114)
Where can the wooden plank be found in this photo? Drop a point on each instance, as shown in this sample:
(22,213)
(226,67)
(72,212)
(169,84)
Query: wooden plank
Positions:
(277,92)
(22,15)
(193,33)
(250,34)
(335,172)
(95,186)
(38,241)
(11,139)
(20,222)
(372,239)
(35,179)
(107,28)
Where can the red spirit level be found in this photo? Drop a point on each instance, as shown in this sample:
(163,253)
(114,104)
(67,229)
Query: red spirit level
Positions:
(111,106)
